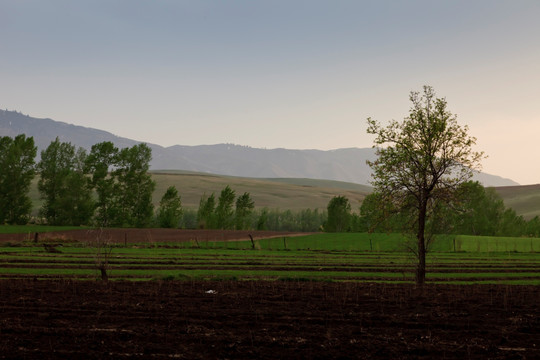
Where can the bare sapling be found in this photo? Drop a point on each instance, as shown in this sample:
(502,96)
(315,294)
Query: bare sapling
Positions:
(102,255)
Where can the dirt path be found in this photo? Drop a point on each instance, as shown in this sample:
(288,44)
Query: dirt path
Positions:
(267,320)
(131,236)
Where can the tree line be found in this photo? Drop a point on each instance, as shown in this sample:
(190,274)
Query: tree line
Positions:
(475,210)
(111,187)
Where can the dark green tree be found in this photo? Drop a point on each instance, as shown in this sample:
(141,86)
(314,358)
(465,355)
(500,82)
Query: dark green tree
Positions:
(479,210)
(100,162)
(511,224)
(64,186)
(311,220)
(533,227)
(134,186)
(339,215)
(189,219)
(170,209)
(244,209)
(224,209)
(17,160)
(421,162)
(206,213)
(262,220)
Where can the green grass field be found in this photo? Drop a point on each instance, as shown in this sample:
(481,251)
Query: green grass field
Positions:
(320,257)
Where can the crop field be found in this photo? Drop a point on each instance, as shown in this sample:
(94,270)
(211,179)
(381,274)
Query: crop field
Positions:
(215,294)
(197,255)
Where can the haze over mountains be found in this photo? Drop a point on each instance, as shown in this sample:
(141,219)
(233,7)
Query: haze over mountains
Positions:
(347,165)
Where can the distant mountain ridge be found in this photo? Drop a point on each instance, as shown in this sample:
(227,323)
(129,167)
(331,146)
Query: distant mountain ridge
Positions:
(347,165)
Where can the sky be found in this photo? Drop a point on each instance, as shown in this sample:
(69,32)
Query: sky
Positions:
(277,73)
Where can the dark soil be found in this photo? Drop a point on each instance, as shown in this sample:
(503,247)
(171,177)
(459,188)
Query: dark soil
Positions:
(268,320)
(137,236)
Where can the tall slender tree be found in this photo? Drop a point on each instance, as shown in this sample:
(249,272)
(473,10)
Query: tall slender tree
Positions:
(170,209)
(135,186)
(64,185)
(224,209)
(244,208)
(100,163)
(206,212)
(17,160)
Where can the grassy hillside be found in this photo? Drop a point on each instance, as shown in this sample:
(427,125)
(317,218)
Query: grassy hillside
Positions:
(525,200)
(293,194)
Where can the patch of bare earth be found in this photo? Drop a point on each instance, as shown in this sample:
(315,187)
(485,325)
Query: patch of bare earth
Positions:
(266,320)
(137,236)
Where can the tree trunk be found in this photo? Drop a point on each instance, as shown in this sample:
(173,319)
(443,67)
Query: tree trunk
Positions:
(421,266)
(420,236)
(103,270)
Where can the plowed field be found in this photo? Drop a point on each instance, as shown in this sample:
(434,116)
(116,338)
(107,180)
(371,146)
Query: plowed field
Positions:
(266,320)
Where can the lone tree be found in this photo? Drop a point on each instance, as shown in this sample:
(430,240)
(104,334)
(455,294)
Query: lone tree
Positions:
(421,162)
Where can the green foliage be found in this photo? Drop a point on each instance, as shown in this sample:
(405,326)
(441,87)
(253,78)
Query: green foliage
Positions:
(244,208)
(64,185)
(533,227)
(224,210)
(286,220)
(205,214)
(475,210)
(339,215)
(262,220)
(134,186)
(123,185)
(17,171)
(170,209)
(479,211)
(310,220)
(189,219)
(99,163)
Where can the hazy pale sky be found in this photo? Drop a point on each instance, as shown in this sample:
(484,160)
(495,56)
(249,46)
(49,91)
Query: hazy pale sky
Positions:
(271,73)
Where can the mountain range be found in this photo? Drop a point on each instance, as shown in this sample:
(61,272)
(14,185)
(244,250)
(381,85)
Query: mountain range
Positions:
(347,165)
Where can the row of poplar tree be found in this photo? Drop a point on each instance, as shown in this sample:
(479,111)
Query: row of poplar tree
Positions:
(111,187)
(68,178)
